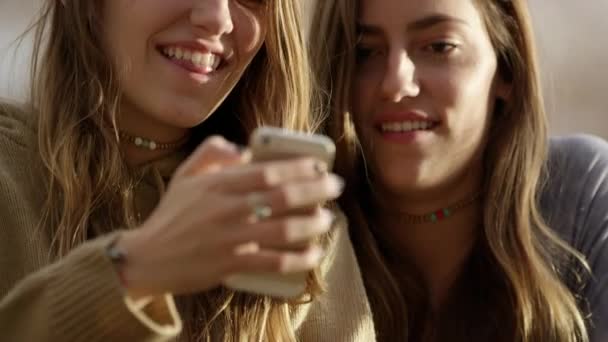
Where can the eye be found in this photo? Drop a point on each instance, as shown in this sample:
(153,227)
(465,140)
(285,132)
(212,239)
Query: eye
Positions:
(253,3)
(441,47)
(364,53)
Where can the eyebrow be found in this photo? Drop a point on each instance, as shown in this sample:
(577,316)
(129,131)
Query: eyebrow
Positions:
(418,25)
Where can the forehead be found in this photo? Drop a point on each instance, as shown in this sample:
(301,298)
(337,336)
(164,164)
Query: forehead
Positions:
(386,13)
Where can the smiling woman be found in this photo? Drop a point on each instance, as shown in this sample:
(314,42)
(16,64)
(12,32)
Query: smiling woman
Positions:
(468,222)
(175,72)
(118,196)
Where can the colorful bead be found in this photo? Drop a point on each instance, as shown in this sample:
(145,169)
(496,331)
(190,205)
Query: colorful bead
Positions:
(441,214)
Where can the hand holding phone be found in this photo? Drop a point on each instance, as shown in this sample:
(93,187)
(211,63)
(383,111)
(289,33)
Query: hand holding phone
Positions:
(268,144)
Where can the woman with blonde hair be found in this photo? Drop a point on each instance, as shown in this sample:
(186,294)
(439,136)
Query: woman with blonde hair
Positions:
(117,193)
(468,222)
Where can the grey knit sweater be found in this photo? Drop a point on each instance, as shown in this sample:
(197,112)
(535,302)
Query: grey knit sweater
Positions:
(575,204)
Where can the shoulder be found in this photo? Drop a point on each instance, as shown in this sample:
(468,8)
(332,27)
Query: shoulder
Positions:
(576,173)
(21,194)
(17,127)
(578,153)
(575,196)
(575,204)
(18,148)
(575,193)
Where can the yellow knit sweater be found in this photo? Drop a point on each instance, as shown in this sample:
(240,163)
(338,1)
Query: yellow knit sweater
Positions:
(79,298)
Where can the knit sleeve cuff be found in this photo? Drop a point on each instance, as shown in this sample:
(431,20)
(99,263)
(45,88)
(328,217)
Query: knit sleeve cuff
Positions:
(159,314)
(89,303)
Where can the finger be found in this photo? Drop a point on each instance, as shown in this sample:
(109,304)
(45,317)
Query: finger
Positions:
(256,206)
(213,153)
(285,231)
(284,262)
(263,176)
(300,195)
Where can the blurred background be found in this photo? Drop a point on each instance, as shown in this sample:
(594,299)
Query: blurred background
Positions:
(570,36)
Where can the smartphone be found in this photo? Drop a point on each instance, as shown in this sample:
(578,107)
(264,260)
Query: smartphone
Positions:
(271,143)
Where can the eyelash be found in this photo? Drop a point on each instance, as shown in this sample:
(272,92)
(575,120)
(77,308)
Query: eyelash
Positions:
(438,49)
(363,52)
(445,47)
(252,3)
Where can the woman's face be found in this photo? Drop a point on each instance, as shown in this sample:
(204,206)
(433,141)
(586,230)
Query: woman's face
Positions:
(424,86)
(177,60)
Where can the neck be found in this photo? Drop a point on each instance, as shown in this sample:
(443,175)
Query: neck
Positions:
(136,124)
(437,249)
(138,156)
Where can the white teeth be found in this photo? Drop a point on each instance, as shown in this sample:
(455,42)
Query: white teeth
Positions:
(197,58)
(204,60)
(406,126)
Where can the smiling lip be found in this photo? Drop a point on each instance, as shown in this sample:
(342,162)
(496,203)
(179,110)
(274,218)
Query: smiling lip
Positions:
(199,46)
(401,116)
(196,70)
(190,67)
(188,70)
(404,127)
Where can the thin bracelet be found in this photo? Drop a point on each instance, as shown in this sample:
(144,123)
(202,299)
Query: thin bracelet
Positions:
(118,257)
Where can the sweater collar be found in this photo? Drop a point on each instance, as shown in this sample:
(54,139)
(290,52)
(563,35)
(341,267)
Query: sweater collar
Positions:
(154,177)
(163,167)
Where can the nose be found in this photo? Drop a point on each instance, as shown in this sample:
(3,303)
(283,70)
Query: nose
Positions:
(212,16)
(399,78)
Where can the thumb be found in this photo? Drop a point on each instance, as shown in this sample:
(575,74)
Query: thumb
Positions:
(212,154)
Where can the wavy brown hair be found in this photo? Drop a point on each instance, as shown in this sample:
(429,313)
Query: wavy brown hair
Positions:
(512,287)
(89,185)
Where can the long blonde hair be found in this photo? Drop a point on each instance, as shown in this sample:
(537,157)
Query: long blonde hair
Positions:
(89,186)
(511,289)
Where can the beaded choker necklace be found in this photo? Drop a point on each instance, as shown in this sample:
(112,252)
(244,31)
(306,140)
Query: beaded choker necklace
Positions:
(150,144)
(440,214)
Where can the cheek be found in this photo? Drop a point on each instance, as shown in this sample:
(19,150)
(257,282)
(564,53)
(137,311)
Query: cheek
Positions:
(364,90)
(470,115)
(358,93)
(125,40)
(250,32)
(476,96)
(463,91)
(362,105)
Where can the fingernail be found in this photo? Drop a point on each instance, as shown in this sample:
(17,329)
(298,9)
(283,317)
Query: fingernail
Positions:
(340,184)
(246,154)
(329,216)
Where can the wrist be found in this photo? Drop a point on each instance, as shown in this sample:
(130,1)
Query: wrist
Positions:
(128,261)
(118,258)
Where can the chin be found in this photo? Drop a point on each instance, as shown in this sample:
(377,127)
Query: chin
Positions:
(397,180)
(400,184)
(185,115)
